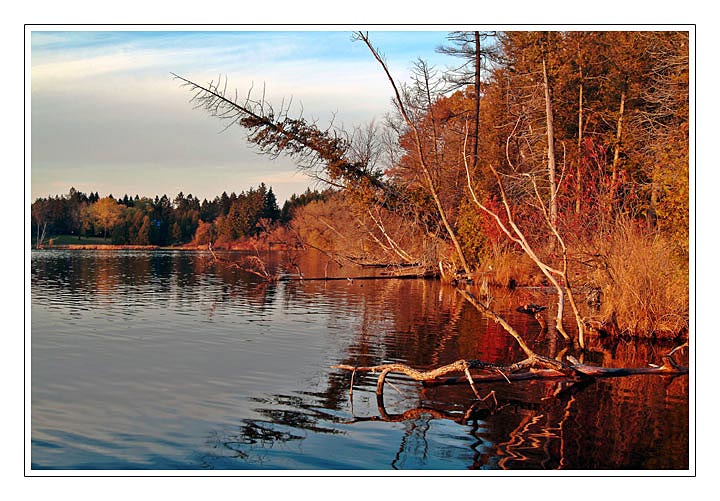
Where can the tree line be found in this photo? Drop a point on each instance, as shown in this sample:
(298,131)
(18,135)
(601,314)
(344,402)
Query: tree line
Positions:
(160,220)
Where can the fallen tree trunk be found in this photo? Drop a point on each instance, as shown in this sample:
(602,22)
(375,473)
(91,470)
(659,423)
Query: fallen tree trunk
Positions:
(547,374)
(286,278)
(533,368)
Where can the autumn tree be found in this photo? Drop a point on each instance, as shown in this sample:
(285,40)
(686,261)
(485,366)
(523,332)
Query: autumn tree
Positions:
(295,201)
(106,213)
(39,214)
(665,118)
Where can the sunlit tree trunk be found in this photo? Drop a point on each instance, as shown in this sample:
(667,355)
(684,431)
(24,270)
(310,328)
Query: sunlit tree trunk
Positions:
(476,134)
(421,156)
(550,145)
(654,197)
(578,173)
(40,235)
(618,136)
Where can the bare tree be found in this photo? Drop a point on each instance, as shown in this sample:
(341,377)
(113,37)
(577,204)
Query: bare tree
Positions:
(430,184)
(40,213)
(550,134)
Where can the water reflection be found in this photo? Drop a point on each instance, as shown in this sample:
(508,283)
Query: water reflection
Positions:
(163,360)
(560,430)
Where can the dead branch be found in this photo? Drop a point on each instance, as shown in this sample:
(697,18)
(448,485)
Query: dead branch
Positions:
(535,367)
(275,132)
(250,264)
(394,247)
(498,319)
(565,276)
(507,373)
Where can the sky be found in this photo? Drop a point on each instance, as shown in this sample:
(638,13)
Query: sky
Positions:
(107,116)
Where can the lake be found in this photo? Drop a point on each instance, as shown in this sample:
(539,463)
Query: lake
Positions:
(162,360)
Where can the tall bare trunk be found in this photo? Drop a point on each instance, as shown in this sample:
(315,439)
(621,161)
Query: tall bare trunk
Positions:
(618,136)
(40,235)
(477,100)
(654,198)
(550,146)
(421,154)
(578,174)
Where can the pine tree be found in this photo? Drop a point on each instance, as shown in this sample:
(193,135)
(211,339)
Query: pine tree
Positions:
(270,208)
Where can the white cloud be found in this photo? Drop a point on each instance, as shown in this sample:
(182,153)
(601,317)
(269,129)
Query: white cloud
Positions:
(70,71)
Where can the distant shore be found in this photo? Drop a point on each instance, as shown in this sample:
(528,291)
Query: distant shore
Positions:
(98,247)
(234,246)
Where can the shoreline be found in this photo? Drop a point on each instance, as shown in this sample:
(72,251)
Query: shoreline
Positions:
(96,247)
(186,247)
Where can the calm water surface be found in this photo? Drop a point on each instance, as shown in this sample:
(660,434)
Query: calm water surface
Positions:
(159,360)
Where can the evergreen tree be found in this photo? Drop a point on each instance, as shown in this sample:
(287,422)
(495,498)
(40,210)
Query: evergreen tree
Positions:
(270,209)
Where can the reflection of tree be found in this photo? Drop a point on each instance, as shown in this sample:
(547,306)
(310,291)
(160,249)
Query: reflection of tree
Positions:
(414,446)
(252,435)
(285,419)
(619,423)
(530,435)
(306,418)
(422,322)
(414,441)
(563,424)
(544,425)
(431,329)
(235,287)
(186,275)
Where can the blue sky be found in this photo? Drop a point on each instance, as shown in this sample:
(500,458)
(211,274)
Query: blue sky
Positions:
(107,116)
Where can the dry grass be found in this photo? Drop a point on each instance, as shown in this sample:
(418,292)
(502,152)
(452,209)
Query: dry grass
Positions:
(513,268)
(644,283)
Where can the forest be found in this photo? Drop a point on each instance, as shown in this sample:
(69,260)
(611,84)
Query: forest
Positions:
(161,221)
(548,159)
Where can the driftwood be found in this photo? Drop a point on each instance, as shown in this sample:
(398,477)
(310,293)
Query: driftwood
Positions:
(256,266)
(532,368)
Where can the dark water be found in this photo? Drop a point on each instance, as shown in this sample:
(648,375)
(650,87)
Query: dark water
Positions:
(156,360)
